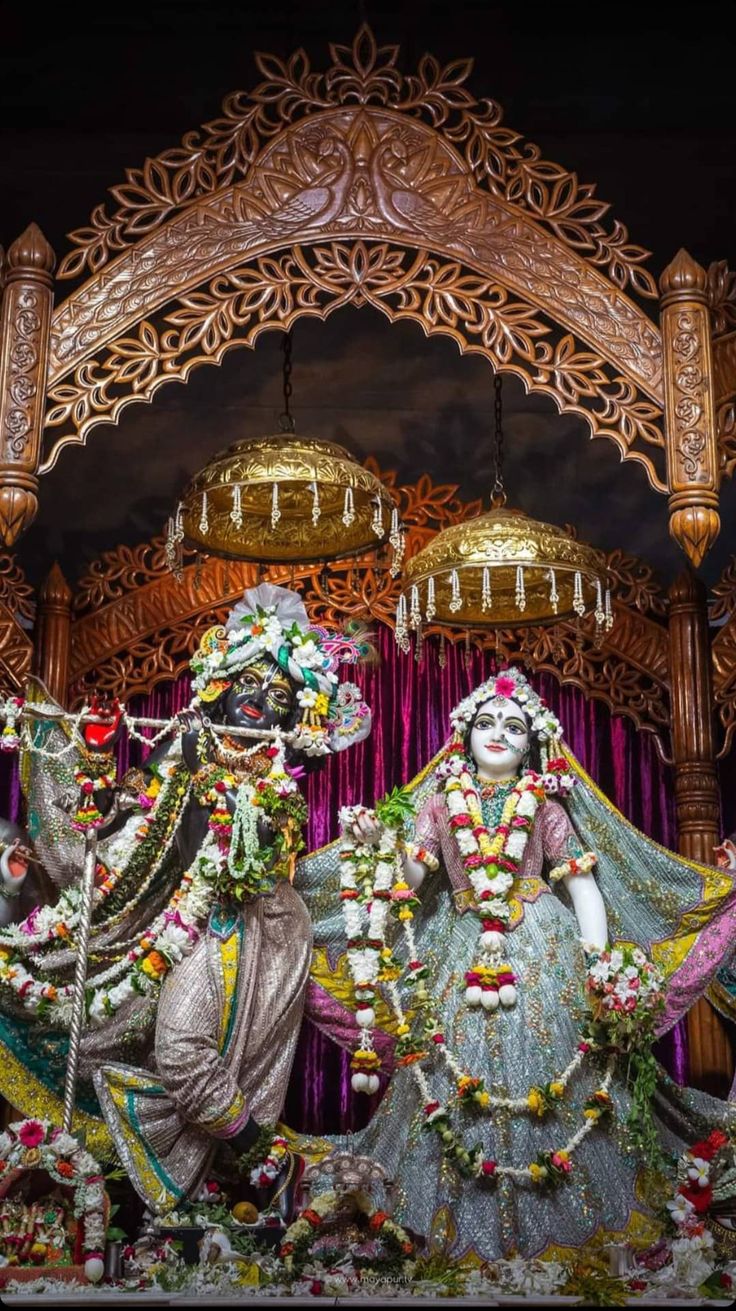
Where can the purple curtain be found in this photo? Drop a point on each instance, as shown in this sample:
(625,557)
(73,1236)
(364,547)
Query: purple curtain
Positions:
(10,794)
(411,706)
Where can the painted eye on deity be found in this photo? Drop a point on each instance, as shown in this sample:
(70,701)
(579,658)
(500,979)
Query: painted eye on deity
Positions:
(280,698)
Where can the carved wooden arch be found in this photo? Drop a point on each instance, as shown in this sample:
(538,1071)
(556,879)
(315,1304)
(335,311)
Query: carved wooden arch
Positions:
(136,626)
(363,186)
(17,610)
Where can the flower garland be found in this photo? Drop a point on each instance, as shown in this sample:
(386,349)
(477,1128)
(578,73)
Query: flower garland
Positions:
(87,815)
(248,867)
(370,881)
(264,1161)
(492,862)
(697,1170)
(299,1237)
(175,931)
(37,1145)
(706,1173)
(10,711)
(135,854)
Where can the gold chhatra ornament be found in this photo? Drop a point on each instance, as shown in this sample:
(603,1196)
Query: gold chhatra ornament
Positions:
(285,498)
(502,570)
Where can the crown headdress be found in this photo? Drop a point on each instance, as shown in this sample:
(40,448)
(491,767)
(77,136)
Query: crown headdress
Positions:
(272,621)
(511,685)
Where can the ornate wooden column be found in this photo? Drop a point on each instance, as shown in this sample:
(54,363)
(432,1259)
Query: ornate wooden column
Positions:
(53,635)
(24,340)
(697,796)
(690,423)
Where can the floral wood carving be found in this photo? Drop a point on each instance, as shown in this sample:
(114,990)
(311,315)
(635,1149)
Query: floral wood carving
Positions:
(15,593)
(724,652)
(499,159)
(16,651)
(635,583)
(441,295)
(722,301)
(724,592)
(136,626)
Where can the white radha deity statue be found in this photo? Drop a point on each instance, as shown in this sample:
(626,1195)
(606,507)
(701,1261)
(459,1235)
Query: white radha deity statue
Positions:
(514,947)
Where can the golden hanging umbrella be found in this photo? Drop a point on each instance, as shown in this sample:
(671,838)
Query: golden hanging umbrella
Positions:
(284,498)
(502,570)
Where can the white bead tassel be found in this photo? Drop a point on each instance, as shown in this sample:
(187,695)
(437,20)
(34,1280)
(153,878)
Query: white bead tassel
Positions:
(170,548)
(401,632)
(578,600)
(608,621)
(554,596)
(415,614)
(486,600)
(275,508)
(377,520)
(599,611)
(236,514)
(178,538)
(431,609)
(316,511)
(204,521)
(520,589)
(456,598)
(398,544)
(348,509)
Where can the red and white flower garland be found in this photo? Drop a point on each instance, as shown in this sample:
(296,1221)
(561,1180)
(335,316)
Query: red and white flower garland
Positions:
(38,1145)
(491,863)
(269,1167)
(369,874)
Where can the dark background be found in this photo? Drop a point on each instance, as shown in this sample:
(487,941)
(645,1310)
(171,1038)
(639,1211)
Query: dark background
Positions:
(632,98)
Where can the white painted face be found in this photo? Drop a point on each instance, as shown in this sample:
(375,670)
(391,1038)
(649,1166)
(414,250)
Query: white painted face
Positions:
(499,738)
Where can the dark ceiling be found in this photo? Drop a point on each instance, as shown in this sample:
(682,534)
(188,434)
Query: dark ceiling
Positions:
(633,100)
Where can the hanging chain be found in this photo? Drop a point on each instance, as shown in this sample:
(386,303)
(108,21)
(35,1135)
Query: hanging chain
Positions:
(498,492)
(286,421)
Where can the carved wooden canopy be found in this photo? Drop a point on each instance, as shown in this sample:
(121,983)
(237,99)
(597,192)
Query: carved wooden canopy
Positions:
(364,185)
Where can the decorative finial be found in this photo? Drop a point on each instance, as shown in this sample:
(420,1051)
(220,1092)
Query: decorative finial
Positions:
(31,250)
(683,277)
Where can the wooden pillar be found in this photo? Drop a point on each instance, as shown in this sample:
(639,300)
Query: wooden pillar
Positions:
(697,797)
(53,635)
(25,324)
(691,443)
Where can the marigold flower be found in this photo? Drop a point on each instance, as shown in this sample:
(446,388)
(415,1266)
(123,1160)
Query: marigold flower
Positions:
(535,1102)
(557,1089)
(154,965)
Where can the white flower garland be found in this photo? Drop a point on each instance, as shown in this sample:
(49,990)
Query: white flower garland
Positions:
(368,875)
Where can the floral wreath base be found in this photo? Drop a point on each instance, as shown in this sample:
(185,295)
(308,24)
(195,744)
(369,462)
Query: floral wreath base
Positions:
(299,1237)
(38,1145)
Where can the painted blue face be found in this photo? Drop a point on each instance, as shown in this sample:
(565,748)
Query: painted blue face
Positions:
(262,696)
